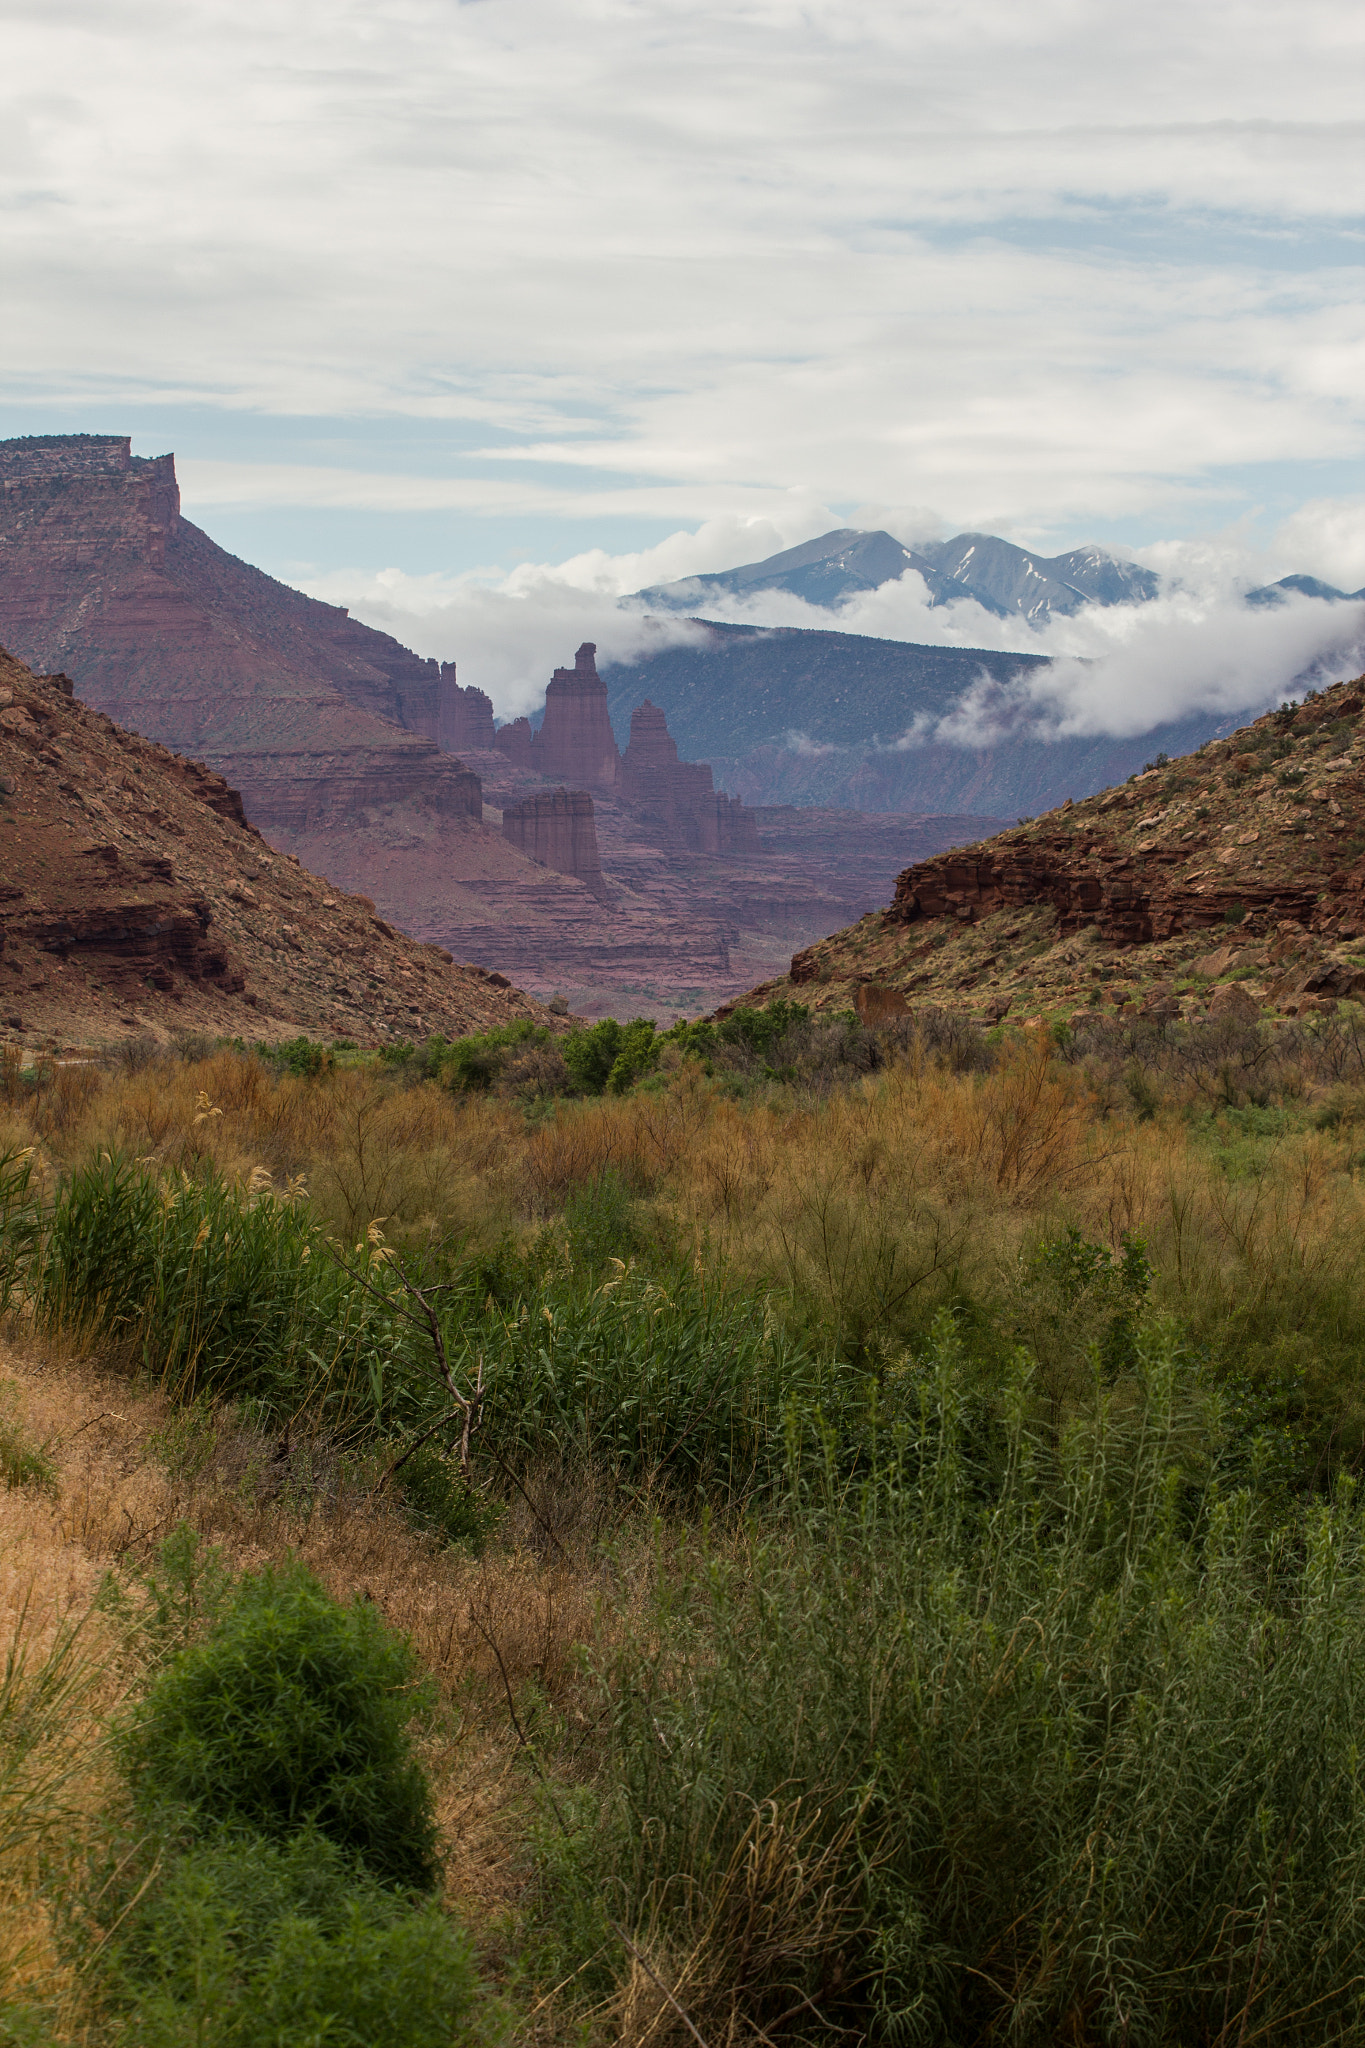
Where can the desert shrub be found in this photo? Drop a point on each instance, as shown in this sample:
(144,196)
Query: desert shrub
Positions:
(441,1500)
(611,1057)
(1005,1741)
(292,1714)
(253,1942)
(304,1058)
(477,1061)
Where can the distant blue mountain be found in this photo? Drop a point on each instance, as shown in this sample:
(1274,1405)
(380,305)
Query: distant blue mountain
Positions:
(1000,577)
(1306,586)
(995,574)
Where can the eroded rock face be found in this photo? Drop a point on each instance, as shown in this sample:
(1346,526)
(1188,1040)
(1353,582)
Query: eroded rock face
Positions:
(575,743)
(678,797)
(464,719)
(316,719)
(1131,898)
(556,827)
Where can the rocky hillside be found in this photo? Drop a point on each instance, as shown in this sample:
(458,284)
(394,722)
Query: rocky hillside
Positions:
(135,898)
(1231,879)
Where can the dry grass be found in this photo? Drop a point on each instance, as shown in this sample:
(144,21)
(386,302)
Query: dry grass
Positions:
(128,1473)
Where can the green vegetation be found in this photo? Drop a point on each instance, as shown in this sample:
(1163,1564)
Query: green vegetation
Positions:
(1014,1736)
(292,1715)
(281,1829)
(887,1505)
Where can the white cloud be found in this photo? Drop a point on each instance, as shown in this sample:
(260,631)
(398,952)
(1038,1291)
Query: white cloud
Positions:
(1126,669)
(1329,533)
(1036,265)
(1121,670)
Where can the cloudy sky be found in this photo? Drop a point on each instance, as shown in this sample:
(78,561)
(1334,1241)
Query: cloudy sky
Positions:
(432,299)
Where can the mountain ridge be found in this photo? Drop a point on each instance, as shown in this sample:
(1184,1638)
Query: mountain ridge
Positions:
(1002,578)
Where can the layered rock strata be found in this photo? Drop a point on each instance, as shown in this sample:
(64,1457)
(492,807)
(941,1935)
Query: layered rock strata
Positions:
(556,827)
(134,899)
(319,721)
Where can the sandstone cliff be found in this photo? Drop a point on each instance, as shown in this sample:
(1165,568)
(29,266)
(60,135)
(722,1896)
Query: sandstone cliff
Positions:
(556,827)
(134,899)
(319,721)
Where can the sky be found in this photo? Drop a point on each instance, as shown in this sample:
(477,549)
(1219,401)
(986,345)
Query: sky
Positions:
(477,316)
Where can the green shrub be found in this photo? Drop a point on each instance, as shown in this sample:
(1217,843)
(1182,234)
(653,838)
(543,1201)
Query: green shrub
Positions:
(609,1057)
(1009,1741)
(256,1943)
(472,1064)
(292,1714)
(302,1057)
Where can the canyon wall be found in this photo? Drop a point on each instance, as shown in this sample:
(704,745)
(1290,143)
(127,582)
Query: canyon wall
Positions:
(319,721)
(557,828)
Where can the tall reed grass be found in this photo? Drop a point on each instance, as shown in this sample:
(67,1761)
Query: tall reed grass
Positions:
(1007,1741)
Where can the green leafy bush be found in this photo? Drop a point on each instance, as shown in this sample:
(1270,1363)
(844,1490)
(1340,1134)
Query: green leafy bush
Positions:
(292,1714)
(302,1057)
(609,1057)
(472,1064)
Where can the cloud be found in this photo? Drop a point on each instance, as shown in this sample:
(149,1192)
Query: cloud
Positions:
(1162,662)
(1039,266)
(1329,533)
(1119,670)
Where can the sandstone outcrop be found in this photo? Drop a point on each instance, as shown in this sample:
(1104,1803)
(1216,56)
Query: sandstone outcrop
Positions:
(318,720)
(134,900)
(556,827)
(464,718)
(678,797)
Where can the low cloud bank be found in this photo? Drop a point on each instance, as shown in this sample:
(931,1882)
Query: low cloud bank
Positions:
(1197,648)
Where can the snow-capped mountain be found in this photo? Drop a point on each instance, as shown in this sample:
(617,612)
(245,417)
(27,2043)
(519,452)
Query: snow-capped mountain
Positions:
(994,573)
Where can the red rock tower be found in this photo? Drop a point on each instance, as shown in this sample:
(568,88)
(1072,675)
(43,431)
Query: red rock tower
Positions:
(678,797)
(575,742)
(464,718)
